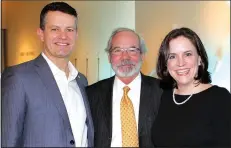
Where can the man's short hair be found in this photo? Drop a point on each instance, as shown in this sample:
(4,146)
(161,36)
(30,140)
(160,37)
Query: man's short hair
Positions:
(142,45)
(56,6)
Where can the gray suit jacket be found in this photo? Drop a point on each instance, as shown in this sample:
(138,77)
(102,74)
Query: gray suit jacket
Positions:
(33,111)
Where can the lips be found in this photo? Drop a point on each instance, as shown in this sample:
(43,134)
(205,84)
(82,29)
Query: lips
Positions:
(182,72)
(62,44)
(126,65)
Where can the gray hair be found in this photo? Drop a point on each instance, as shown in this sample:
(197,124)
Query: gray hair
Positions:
(142,45)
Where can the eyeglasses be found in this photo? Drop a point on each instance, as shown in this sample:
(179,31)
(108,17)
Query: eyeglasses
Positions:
(132,51)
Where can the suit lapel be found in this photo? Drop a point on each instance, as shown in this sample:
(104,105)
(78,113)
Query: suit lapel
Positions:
(49,82)
(82,90)
(108,104)
(89,121)
(144,103)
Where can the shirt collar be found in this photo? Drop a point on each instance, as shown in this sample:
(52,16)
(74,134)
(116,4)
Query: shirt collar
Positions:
(55,70)
(72,71)
(131,85)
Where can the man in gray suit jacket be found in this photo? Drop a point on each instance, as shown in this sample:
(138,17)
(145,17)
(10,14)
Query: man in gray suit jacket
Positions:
(43,101)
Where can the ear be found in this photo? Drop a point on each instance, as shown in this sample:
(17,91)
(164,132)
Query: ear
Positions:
(40,33)
(77,34)
(142,56)
(109,57)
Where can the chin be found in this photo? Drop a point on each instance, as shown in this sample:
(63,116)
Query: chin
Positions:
(124,74)
(63,56)
(180,82)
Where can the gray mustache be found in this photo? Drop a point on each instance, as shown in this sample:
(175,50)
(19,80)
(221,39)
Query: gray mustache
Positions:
(126,62)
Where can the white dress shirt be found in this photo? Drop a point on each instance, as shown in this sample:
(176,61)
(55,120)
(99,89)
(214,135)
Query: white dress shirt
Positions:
(134,95)
(73,101)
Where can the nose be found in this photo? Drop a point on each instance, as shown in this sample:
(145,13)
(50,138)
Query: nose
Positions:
(125,54)
(180,61)
(63,35)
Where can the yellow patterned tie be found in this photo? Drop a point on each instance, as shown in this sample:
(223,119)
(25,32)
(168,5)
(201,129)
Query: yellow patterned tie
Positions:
(128,121)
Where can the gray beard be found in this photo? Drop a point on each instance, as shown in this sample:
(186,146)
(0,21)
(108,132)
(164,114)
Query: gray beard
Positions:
(129,71)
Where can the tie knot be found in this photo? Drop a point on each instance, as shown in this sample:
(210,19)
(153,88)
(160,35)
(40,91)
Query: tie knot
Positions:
(126,89)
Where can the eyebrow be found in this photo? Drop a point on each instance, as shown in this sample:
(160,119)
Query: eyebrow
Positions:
(171,53)
(126,47)
(188,51)
(60,27)
(71,27)
(183,52)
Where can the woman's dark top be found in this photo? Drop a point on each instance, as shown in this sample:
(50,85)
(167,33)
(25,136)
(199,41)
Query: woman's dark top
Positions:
(203,121)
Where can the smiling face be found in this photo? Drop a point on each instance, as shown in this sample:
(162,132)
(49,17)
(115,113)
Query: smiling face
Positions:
(126,64)
(59,35)
(183,61)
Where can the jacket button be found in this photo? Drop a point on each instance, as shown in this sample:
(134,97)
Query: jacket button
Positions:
(72,142)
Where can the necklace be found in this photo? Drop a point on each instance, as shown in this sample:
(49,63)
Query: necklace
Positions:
(173,96)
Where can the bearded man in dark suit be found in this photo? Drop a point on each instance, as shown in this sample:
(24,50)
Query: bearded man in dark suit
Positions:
(112,122)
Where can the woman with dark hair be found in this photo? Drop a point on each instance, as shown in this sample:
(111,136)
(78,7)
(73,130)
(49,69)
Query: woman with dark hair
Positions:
(192,112)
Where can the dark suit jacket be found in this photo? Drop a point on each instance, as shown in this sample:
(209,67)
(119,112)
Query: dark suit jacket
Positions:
(33,111)
(100,99)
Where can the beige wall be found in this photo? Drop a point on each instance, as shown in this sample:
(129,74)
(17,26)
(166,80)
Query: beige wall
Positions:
(3,18)
(21,20)
(154,19)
